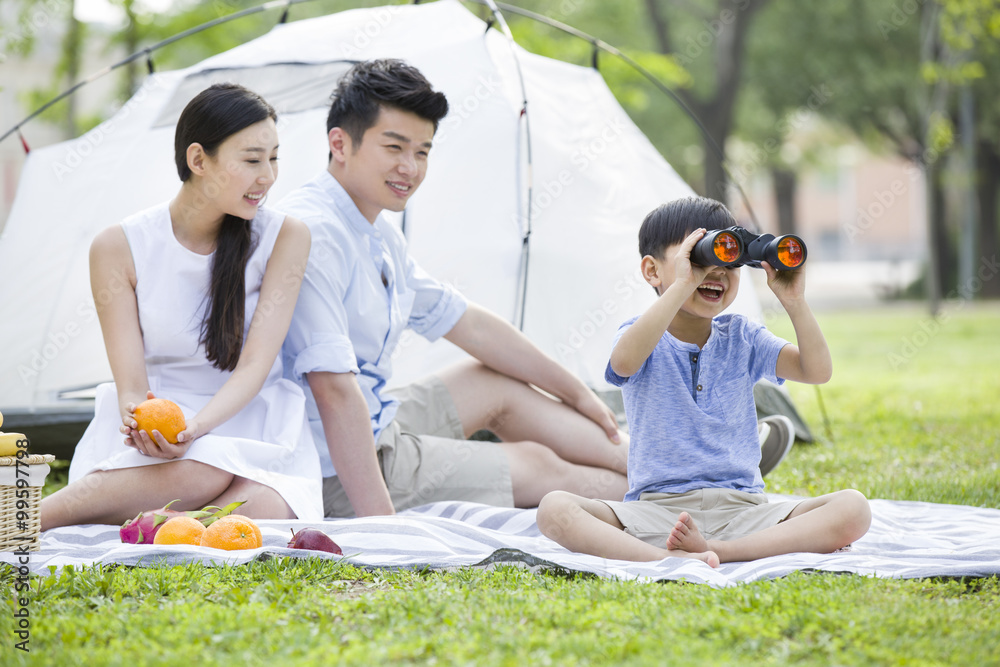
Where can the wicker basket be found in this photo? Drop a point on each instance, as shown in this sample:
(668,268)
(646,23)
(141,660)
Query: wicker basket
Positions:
(17,532)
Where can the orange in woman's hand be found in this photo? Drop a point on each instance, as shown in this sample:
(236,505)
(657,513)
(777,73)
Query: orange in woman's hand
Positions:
(162,415)
(180,530)
(232,532)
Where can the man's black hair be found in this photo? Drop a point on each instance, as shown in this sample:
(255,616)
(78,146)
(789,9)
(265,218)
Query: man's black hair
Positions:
(372,84)
(670,223)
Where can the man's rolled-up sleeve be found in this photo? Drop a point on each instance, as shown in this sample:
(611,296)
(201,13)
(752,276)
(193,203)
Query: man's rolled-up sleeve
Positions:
(436,307)
(318,338)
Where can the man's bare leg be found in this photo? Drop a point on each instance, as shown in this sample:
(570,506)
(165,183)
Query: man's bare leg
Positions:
(591,527)
(536,470)
(516,412)
(817,525)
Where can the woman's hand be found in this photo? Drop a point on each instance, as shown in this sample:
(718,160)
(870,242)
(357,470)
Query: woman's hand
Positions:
(154,445)
(191,432)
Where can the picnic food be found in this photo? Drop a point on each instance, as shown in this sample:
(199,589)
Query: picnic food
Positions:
(143,528)
(232,533)
(317,540)
(256,529)
(8,443)
(180,530)
(162,415)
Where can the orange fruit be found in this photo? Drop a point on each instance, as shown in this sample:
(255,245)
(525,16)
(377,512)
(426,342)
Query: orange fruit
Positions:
(162,415)
(256,529)
(232,532)
(180,530)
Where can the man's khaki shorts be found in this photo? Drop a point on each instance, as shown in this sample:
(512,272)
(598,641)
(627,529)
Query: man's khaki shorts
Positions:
(720,514)
(425,458)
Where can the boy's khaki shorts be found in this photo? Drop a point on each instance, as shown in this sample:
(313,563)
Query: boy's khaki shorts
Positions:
(425,458)
(720,514)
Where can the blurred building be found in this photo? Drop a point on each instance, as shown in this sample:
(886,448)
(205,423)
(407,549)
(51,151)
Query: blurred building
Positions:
(864,207)
(862,215)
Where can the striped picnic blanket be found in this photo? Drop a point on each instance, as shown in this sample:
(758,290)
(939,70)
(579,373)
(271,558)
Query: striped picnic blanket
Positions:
(906,540)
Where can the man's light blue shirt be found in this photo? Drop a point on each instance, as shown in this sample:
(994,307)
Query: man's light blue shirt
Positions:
(690,410)
(346,319)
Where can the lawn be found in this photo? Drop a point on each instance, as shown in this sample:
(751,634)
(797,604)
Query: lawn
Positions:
(911,415)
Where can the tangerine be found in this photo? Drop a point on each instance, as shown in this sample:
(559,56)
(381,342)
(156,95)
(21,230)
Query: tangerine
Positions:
(180,530)
(232,532)
(162,415)
(256,529)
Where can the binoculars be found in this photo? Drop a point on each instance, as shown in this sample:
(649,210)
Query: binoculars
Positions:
(737,246)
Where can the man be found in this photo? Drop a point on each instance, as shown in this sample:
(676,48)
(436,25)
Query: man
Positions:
(386,451)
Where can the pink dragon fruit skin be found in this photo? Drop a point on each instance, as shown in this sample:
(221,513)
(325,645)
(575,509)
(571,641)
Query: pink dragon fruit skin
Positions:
(142,529)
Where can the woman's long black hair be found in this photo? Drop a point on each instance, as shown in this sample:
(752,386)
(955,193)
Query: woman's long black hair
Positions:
(210,118)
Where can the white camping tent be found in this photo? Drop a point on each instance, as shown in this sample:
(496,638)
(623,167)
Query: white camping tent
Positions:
(593,176)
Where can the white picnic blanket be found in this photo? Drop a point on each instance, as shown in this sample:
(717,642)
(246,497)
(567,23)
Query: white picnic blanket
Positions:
(907,540)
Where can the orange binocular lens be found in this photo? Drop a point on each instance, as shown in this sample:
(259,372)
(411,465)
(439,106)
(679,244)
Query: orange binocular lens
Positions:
(727,247)
(790,252)
(737,246)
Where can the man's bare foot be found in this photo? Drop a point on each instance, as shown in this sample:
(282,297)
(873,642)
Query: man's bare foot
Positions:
(685,536)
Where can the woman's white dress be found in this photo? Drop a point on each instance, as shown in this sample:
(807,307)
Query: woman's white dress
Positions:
(269,441)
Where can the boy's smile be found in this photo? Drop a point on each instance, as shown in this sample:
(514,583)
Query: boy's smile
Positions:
(711,291)
(715,293)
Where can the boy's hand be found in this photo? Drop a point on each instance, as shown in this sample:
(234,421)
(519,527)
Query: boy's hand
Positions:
(788,286)
(685,272)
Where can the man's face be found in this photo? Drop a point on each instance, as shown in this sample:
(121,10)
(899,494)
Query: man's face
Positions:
(388,165)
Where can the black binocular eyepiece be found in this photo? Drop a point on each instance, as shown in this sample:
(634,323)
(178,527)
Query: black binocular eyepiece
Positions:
(737,246)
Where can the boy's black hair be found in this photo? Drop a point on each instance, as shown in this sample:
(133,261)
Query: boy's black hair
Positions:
(375,83)
(670,223)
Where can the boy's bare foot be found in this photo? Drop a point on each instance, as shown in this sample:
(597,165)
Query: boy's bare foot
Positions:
(709,557)
(685,536)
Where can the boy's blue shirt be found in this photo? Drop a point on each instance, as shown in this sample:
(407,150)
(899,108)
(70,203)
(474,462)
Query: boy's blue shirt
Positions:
(691,413)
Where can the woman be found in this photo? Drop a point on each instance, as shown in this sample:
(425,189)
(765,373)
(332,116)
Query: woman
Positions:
(194,298)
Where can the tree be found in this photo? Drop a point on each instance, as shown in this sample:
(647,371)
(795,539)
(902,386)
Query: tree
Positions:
(723,27)
(971,29)
(33,17)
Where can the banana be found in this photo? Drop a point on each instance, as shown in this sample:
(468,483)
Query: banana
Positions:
(8,443)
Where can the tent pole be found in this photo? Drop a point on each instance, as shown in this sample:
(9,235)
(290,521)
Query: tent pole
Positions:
(524,199)
(285,5)
(604,46)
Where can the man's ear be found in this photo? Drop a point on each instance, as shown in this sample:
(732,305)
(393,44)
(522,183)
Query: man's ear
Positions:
(651,269)
(340,144)
(196,158)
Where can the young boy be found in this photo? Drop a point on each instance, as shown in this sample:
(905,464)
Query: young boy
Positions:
(687,376)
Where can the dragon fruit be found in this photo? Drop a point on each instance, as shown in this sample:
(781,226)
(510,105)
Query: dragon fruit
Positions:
(142,529)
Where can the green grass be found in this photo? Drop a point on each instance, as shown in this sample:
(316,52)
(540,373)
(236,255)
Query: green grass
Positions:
(926,429)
